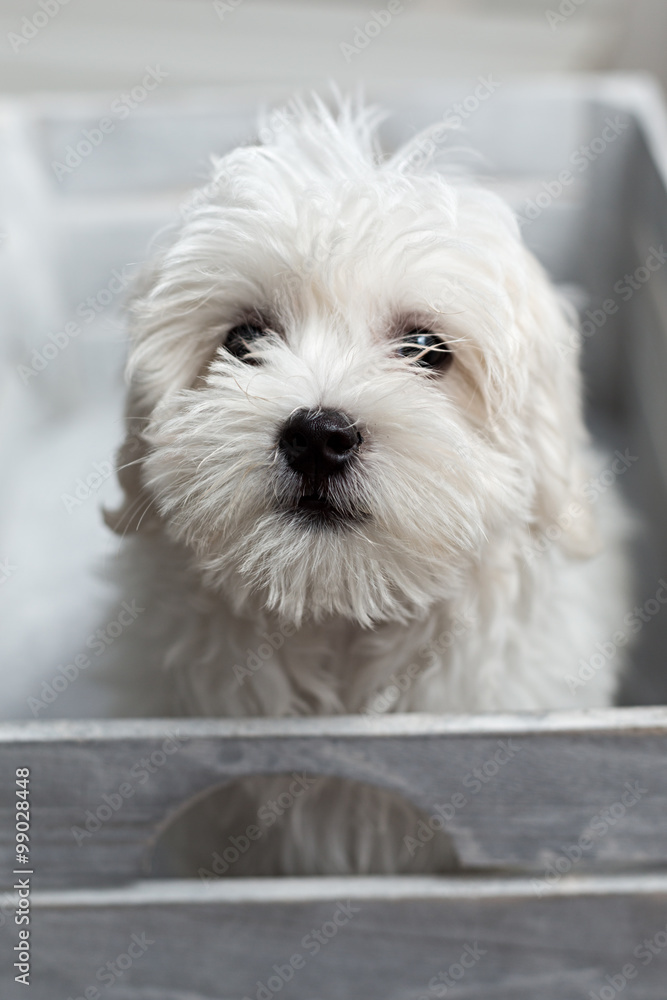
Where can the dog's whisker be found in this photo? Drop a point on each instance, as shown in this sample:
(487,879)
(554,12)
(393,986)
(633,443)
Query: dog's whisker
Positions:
(143,514)
(128,465)
(128,515)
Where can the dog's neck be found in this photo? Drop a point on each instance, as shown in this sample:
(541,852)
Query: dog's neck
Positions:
(217,661)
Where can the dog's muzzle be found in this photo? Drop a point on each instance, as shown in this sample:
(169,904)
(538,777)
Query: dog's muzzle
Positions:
(319,445)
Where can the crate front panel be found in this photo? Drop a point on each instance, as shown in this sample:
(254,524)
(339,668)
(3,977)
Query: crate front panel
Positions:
(519,791)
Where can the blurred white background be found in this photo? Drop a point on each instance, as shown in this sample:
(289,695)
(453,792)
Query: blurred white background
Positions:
(94,44)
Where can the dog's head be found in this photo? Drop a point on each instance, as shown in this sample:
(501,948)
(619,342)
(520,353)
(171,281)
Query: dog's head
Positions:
(348,378)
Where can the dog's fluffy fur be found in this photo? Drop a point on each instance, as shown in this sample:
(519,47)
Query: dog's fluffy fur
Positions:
(466,561)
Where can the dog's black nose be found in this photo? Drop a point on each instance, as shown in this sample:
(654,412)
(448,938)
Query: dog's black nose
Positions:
(319,442)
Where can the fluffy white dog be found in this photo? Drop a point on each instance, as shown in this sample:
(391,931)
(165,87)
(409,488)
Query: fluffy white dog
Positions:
(356,466)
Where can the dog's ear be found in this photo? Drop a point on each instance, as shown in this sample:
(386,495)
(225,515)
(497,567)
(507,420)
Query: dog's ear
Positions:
(559,442)
(137,511)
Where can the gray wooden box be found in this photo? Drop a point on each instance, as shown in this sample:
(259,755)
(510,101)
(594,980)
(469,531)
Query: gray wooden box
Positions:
(535,911)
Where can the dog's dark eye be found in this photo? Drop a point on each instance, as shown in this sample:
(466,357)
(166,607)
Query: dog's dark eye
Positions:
(425,349)
(240,339)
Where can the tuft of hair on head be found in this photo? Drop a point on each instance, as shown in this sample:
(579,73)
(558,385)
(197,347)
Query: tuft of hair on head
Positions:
(340,136)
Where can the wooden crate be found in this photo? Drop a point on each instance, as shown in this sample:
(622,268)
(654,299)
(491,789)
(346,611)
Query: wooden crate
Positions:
(538,911)
(558,820)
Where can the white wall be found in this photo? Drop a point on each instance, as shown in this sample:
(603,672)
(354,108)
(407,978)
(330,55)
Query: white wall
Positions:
(107,43)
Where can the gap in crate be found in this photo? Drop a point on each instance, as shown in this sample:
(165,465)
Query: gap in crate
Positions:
(289,824)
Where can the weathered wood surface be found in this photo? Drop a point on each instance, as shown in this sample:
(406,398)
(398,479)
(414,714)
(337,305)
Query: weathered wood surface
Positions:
(381,939)
(517,791)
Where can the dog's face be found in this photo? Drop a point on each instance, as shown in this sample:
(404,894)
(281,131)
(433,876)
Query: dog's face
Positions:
(347,383)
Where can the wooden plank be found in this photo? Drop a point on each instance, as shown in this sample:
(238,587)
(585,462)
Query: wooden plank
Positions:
(379,938)
(531,785)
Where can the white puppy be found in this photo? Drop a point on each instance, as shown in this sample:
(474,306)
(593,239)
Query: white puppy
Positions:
(355,466)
